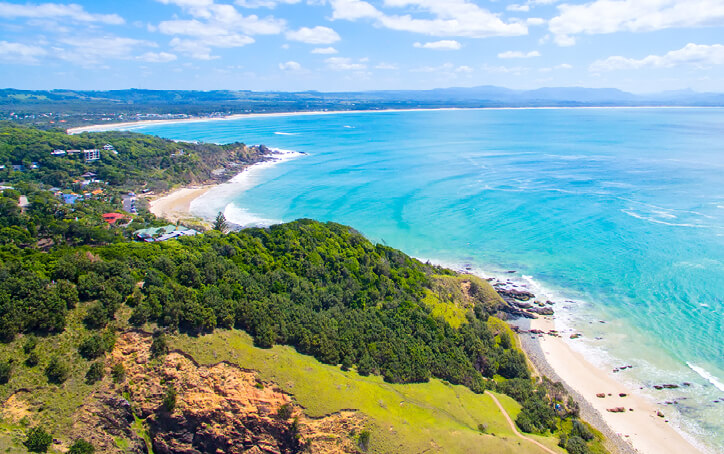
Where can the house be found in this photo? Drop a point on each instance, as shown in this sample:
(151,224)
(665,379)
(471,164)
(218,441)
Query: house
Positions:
(58,153)
(89,175)
(18,167)
(71,152)
(34,165)
(91,155)
(167,232)
(112,218)
(69,199)
(108,147)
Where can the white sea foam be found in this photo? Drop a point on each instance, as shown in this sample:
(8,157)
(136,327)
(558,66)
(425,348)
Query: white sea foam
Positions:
(659,221)
(707,376)
(245,218)
(279,133)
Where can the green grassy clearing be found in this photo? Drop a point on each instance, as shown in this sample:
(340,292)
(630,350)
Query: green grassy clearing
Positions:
(408,418)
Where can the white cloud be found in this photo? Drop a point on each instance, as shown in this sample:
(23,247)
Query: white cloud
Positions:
(554,68)
(264,3)
(518,8)
(519,54)
(700,55)
(324,50)
(450,18)
(610,16)
(157,57)
(316,35)
(445,44)
(290,66)
(72,12)
(195,49)
(346,64)
(386,66)
(88,51)
(535,21)
(20,53)
(446,68)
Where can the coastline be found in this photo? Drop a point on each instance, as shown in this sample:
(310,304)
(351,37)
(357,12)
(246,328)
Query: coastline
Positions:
(638,429)
(176,205)
(141,123)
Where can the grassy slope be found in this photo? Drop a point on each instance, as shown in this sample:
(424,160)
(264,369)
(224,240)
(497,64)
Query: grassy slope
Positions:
(407,418)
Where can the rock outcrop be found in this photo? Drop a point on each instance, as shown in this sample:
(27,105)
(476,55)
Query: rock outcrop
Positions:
(219,408)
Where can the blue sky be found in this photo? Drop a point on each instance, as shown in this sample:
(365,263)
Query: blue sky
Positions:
(636,45)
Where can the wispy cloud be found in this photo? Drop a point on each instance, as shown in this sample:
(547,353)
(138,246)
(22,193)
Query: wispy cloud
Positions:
(610,16)
(20,53)
(316,35)
(324,50)
(700,55)
(519,54)
(445,44)
(72,12)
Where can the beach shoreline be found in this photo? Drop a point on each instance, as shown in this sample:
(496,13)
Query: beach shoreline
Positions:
(142,123)
(638,429)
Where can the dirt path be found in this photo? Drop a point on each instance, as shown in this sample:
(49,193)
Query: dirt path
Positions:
(515,429)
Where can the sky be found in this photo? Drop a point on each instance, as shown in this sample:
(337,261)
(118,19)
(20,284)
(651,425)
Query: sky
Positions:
(641,46)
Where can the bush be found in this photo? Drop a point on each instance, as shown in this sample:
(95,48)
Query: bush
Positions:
(30,343)
(81,447)
(159,346)
(118,372)
(363,441)
(576,445)
(285,412)
(57,370)
(580,430)
(95,373)
(96,345)
(6,370)
(169,400)
(38,440)
(32,360)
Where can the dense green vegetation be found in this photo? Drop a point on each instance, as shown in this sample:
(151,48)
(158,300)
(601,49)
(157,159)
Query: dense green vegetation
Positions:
(139,160)
(320,287)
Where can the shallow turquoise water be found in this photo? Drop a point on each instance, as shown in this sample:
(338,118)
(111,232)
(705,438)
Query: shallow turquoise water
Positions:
(619,210)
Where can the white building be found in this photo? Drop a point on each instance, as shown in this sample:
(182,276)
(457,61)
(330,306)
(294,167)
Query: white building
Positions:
(91,155)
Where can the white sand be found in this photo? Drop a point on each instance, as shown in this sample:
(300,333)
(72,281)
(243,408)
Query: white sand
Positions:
(642,428)
(176,205)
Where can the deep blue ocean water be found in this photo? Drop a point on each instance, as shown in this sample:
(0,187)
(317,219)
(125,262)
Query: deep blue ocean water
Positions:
(620,212)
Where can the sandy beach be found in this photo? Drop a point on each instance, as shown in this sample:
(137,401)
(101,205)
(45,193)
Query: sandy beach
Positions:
(176,205)
(637,430)
(132,124)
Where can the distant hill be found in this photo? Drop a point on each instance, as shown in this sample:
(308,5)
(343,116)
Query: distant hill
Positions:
(78,107)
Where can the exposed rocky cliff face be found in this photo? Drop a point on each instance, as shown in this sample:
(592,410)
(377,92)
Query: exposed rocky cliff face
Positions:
(220,408)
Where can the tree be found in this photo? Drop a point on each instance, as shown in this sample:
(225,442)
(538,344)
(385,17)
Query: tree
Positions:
(169,399)
(118,372)
(580,430)
(576,445)
(159,345)
(57,370)
(220,223)
(6,370)
(38,440)
(95,373)
(81,447)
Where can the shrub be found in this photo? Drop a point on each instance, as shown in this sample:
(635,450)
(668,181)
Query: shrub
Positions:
(169,400)
(96,345)
(32,360)
(159,346)
(95,373)
(580,430)
(6,370)
(118,372)
(30,343)
(57,370)
(38,440)
(576,445)
(81,447)
(482,427)
(285,412)
(363,441)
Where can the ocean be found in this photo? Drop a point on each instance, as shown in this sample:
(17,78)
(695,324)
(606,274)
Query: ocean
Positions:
(615,214)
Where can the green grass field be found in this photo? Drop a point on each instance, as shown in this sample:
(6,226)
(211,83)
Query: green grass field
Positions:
(427,417)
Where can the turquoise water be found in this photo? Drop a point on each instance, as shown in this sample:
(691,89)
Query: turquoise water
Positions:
(618,211)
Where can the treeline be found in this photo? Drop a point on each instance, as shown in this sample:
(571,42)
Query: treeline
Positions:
(322,288)
(139,160)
